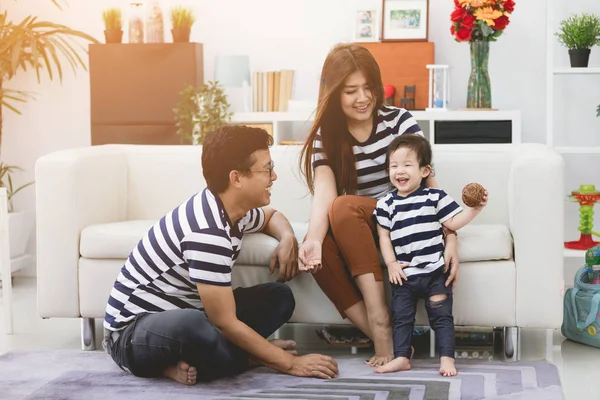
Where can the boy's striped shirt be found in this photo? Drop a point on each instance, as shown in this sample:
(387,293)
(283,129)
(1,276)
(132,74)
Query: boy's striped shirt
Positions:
(415,225)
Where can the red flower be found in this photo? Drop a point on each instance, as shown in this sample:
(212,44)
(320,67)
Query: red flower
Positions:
(464,34)
(468,22)
(501,23)
(509,6)
(457,4)
(452,30)
(458,14)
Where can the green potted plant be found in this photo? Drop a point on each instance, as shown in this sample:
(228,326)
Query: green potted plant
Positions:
(579,34)
(21,224)
(182,20)
(113,25)
(34,45)
(6,172)
(201,110)
(39,45)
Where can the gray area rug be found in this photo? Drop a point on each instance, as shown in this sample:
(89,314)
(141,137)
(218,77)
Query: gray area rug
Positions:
(66,375)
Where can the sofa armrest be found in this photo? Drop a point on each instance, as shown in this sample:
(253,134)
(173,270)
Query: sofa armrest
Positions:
(74,188)
(536,211)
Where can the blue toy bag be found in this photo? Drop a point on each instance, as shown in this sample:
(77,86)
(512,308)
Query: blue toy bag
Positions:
(581,313)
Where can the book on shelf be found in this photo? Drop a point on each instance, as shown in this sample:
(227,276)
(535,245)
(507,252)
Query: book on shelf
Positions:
(272,90)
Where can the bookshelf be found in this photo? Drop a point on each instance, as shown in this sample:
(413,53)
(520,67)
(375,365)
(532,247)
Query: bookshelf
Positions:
(555,11)
(288,126)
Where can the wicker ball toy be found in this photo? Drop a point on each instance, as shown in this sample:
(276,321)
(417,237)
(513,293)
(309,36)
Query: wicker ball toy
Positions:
(472,194)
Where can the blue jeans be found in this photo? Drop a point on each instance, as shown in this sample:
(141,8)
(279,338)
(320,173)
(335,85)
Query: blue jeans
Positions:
(404,309)
(154,341)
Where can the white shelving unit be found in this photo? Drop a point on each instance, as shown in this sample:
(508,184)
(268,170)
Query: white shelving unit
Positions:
(551,72)
(279,119)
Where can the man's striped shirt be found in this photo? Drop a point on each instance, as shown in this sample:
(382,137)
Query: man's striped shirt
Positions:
(195,242)
(415,225)
(373,180)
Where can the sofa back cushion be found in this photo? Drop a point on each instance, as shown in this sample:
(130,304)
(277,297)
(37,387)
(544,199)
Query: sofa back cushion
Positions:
(161,177)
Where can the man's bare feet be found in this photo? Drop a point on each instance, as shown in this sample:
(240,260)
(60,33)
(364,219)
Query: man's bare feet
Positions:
(287,345)
(397,364)
(182,373)
(447,367)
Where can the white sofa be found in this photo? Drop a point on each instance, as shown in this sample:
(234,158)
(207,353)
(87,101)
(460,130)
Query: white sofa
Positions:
(95,203)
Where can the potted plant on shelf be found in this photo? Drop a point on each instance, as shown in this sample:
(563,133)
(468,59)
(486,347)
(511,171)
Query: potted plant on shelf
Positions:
(201,110)
(579,34)
(182,20)
(113,25)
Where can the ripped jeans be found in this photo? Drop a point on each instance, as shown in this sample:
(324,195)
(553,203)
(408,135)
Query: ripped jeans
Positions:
(404,309)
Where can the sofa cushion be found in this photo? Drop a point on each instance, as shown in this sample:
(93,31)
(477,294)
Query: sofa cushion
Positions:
(483,242)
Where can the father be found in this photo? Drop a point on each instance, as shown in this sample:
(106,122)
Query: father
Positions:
(172,311)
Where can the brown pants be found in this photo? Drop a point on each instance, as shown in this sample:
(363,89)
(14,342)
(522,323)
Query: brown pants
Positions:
(349,250)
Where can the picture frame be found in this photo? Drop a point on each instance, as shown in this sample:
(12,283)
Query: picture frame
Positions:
(367,23)
(405,20)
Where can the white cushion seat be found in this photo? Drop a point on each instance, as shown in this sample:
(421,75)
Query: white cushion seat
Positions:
(483,242)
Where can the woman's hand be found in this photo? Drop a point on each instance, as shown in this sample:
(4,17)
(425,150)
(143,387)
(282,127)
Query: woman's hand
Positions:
(309,256)
(451,259)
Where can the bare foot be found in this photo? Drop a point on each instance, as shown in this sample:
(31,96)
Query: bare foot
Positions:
(182,373)
(381,330)
(377,361)
(283,344)
(397,364)
(447,367)
(288,345)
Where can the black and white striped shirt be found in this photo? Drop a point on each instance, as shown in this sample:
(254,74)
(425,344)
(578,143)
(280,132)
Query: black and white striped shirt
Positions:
(373,180)
(415,225)
(195,242)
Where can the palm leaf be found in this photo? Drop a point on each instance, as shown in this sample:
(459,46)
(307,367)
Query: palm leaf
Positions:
(21,188)
(7,96)
(39,43)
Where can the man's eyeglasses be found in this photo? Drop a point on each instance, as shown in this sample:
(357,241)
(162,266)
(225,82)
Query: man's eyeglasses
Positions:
(269,169)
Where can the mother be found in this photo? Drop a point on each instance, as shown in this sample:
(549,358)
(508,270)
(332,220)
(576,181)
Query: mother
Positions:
(343,161)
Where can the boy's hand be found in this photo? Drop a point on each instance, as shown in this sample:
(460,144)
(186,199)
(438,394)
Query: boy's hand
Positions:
(483,201)
(396,272)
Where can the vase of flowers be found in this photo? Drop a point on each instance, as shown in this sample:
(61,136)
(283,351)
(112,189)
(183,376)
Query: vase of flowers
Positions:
(480,22)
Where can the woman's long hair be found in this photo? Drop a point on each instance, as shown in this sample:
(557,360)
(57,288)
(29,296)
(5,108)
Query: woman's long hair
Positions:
(342,61)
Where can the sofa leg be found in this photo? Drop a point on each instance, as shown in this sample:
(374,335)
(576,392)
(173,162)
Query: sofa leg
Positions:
(550,345)
(511,339)
(88,334)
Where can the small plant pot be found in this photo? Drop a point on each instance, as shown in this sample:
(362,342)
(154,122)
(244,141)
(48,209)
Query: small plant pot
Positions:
(113,36)
(579,58)
(181,35)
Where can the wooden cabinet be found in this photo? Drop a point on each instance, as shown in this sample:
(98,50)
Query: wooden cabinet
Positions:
(134,88)
(404,64)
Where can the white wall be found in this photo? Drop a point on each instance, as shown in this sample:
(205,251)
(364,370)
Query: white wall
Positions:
(298,34)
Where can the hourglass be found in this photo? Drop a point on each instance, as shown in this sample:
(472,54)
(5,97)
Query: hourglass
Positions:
(439,87)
